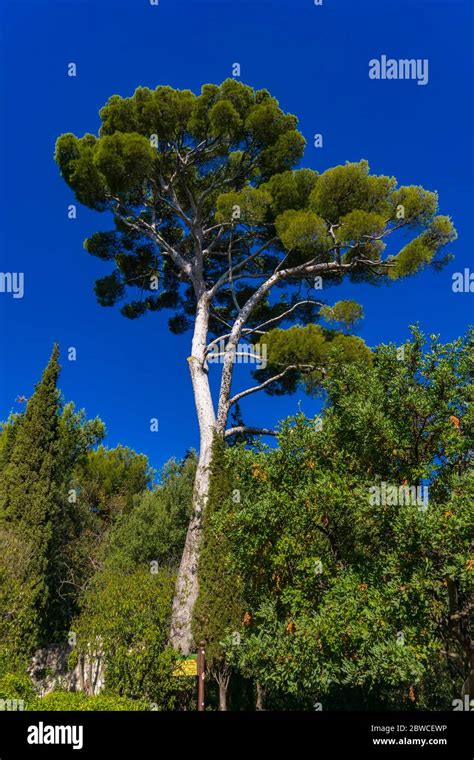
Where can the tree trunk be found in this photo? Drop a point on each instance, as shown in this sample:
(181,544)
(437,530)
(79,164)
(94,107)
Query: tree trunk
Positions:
(223,687)
(187,582)
(260,697)
(459,625)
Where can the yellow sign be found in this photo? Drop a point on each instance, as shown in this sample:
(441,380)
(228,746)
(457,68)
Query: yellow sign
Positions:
(186,667)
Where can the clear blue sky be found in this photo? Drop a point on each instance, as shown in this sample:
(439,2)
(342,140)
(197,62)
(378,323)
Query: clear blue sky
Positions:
(315,61)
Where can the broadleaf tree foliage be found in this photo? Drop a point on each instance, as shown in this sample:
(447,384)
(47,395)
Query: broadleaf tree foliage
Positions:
(212,221)
(350,599)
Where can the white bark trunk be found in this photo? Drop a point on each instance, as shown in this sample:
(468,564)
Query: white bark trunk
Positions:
(187,582)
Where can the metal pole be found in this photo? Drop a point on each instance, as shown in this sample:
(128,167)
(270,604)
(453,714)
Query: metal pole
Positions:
(201,663)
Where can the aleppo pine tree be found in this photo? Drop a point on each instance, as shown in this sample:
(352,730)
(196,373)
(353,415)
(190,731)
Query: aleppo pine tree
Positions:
(212,221)
(29,498)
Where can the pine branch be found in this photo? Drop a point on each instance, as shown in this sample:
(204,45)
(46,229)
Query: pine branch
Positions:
(246,429)
(273,379)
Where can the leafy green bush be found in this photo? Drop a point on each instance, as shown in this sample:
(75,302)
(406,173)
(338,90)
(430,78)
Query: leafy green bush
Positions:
(16,686)
(59,701)
(125,619)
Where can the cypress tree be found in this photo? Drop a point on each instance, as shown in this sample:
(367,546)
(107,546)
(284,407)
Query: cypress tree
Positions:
(29,492)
